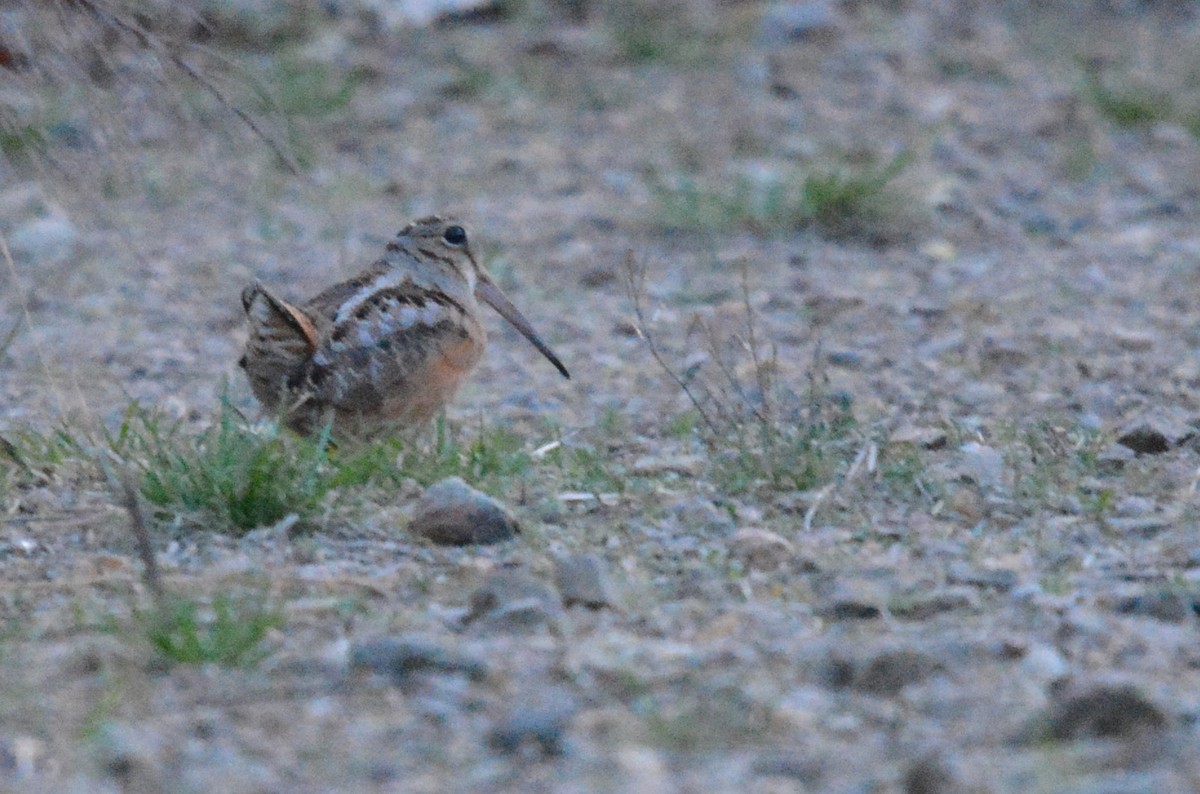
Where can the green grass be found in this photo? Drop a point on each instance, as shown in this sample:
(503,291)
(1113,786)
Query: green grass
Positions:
(645,32)
(24,142)
(229,631)
(235,476)
(1129,106)
(232,476)
(806,450)
(838,202)
(309,89)
(1050,462)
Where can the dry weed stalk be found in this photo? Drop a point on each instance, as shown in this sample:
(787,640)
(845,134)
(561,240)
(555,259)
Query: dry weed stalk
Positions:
(748,419)
(635,281)
(119,481)
(102,24)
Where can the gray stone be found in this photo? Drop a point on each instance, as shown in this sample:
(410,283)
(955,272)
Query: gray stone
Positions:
(891,671)
(1165,605)
(1102,712)
(759,548)
(513,602)
(699,516)
(537,726)
(923,605)
(583,579)
(452,513)
(400,658)
(1044,665)
(983,465)
(930,775)
(1144,439)
(785,22)
(46,240)
(852,600)
(1001,579)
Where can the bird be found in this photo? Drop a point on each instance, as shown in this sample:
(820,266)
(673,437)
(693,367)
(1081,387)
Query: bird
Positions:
(386,348)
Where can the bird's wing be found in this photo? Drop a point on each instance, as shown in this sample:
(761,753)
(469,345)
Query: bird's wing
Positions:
(388,340)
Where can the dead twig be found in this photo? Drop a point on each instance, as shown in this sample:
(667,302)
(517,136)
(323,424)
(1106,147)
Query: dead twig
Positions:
(141,536)
(635,280)
(151,42)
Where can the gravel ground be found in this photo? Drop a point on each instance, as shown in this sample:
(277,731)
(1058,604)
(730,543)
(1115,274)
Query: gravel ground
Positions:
(938,532)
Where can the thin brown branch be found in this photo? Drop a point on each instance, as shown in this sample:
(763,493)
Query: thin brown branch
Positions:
(151,42)
(635,280)
(141,536)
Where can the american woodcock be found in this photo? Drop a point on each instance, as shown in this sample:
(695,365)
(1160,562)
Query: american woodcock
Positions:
(388,347)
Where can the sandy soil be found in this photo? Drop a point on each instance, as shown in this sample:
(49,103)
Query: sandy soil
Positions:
(990,581)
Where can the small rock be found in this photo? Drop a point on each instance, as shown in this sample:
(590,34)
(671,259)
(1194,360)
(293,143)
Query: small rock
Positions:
(983,465)
(539,727)
(513,602)
(1144,440)
(1166,605)
(924,437)
(996,356)
(805,21)
(930,775)
(1132,340)
(852,600)
(1001,579)
(399,659)
(45,240)
(698,516)
(583,579)
(845,359)
(1132,506)
(1044,665)
(132,757)
(759,548)
(1115,456)
(921,606)
(452,513)
(1145,526)
(1104,712)
(891,671)
(805,770)
(598,277)
(687,465)
(1156,432)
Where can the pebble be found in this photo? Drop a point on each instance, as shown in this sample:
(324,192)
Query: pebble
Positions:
(452,513)
(513,602)
(930,775)
(760,549)
(892,670)
(924,437)
(787,22)
(983,465)
(700,516)
(1165,605)
(852,600)
(1144,439)
(1102,712)
(538,727)
(400,658)
(921,606)
(1001,579)
(1044,665)
(582,579)
(44,241)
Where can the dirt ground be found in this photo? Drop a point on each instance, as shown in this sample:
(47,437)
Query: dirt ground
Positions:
(927,521)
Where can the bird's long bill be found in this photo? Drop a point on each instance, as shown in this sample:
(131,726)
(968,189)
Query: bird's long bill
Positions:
(487,291)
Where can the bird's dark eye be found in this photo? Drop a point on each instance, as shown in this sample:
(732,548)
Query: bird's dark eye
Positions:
(455,235)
